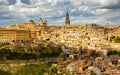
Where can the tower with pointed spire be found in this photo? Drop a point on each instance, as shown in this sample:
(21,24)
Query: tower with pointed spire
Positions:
(67,21)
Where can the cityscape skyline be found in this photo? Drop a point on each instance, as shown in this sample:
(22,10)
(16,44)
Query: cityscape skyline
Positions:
(88,11)
(59,37)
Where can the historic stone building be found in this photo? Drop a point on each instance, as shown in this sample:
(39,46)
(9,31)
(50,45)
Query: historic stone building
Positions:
(26,31)
(10,35)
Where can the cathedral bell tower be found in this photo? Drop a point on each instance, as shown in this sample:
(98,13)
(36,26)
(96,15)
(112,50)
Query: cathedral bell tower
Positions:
(67,21)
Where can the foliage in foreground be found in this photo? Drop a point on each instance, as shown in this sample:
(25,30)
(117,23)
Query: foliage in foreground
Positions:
(34,69)
(4,73)
(17,56)
(56,70)
(3,44)
(39,69)
(41,51)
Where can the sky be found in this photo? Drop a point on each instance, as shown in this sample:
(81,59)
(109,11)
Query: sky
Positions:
(80,11)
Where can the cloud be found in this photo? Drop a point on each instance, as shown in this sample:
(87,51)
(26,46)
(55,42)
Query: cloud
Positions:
(3,2)
(11,2)
(25,1)
(81,11)
(110,4)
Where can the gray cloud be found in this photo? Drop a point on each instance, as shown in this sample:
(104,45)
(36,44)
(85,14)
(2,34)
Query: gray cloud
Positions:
(110,4)
(12,2)
(3,2)
(25,1)
(81,11)
(111,7)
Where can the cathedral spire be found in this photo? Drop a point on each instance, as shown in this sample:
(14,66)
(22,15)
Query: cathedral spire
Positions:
(67,14)
(67,21)
(41,19)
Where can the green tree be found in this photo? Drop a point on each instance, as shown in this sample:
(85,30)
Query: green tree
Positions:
(56,70)
(94,53)
(3,44)
(93,73)
(112,52)
(4,72)
(34,69)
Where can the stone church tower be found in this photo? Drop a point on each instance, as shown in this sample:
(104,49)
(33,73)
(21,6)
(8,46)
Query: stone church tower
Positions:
(67,21)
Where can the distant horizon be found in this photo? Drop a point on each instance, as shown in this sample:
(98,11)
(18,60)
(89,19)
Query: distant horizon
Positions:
(81,11)
(60,24)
